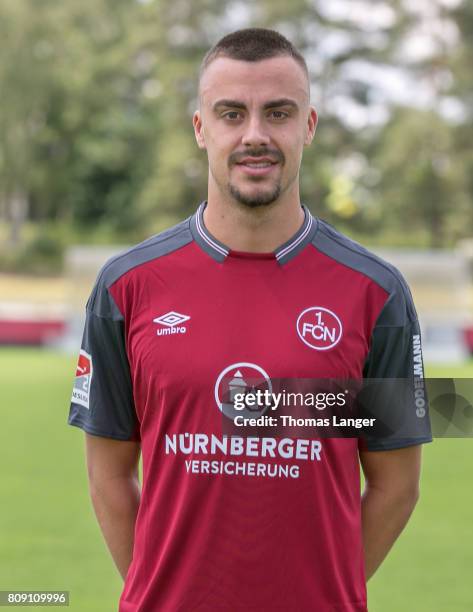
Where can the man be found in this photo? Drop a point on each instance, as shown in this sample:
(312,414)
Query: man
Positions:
(232,294)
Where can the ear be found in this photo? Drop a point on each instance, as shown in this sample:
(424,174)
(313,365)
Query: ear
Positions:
(311,126)
(198,130)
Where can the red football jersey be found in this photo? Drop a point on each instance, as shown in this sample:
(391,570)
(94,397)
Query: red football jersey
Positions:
(175,324)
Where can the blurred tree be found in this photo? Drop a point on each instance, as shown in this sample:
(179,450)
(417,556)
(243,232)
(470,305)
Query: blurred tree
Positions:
(24,86)
(422,187)
(75,129)
(424,183)
(462,90)
(97,136)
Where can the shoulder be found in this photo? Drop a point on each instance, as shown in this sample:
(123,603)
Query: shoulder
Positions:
(353,255)
(157,246)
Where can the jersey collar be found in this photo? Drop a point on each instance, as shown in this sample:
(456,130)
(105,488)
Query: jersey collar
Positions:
(282,254)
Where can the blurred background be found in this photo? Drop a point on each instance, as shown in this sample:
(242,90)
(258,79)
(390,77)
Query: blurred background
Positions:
(97,152)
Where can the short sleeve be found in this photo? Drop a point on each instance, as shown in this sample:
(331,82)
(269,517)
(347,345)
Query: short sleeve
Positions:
(102,396)
(394,390)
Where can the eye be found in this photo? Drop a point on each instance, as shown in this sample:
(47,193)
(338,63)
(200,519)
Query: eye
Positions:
(278,114)
(232,115)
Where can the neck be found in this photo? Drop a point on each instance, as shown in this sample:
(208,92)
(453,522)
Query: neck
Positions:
(254,230)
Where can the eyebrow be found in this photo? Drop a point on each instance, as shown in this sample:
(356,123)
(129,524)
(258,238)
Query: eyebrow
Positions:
(270,104)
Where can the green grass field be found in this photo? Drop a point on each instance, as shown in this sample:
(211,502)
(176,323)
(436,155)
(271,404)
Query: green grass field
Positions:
(50,539)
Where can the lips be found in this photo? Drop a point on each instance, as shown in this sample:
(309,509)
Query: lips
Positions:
(256,166)
(257,162)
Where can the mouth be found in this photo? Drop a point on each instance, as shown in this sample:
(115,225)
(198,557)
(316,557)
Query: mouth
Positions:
(257,166)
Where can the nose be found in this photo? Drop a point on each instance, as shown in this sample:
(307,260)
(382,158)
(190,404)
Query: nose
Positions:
(255,134)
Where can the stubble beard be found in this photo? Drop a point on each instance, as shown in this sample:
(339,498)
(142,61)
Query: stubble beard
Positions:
(264,198)
(260,197)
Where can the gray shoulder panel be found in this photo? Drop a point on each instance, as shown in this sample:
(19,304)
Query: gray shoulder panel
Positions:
(159,245)
(353,255)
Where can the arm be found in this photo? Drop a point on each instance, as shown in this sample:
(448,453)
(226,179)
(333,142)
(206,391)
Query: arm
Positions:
(115,492)
(390,495)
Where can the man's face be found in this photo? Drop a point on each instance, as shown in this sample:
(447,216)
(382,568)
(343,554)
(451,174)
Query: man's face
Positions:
(254,121)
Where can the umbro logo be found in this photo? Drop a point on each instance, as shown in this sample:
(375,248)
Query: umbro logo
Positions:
(172,322)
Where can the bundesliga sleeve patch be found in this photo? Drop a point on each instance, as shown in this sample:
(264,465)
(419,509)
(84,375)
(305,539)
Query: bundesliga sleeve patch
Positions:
(83,380)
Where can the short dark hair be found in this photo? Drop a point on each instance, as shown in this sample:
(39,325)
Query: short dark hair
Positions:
(253,45)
